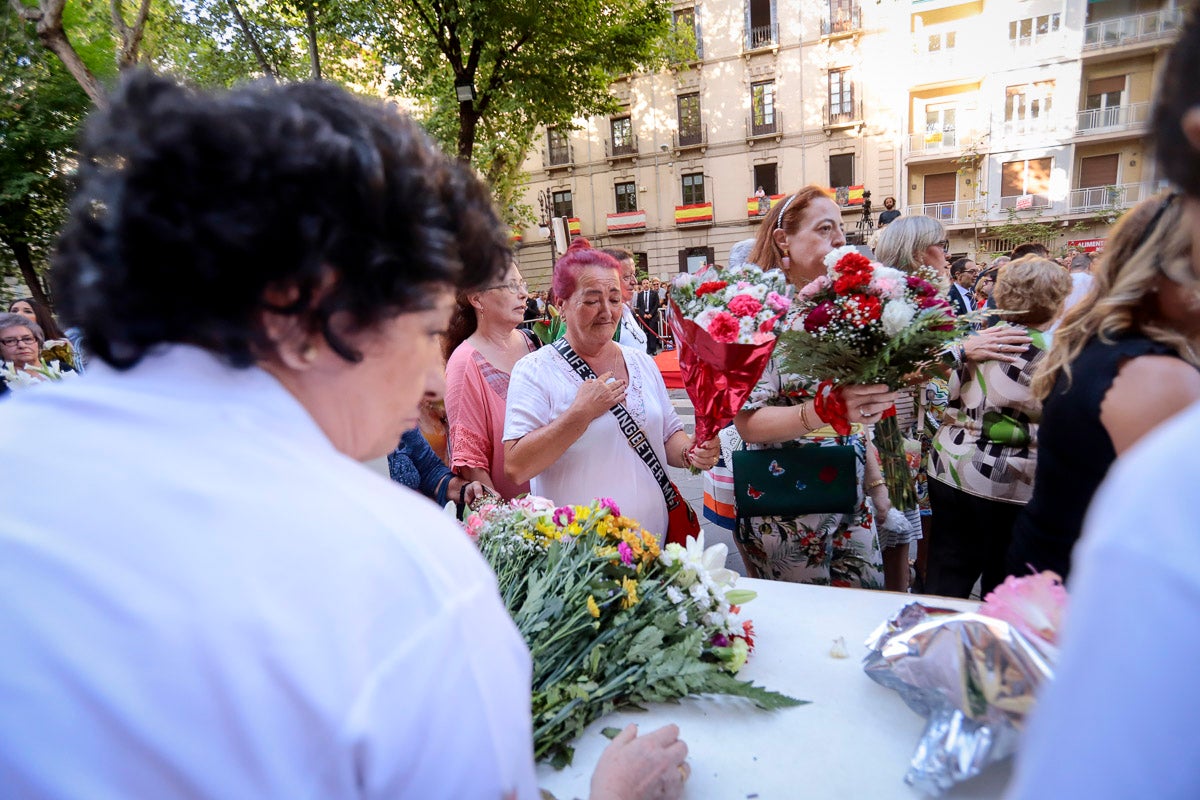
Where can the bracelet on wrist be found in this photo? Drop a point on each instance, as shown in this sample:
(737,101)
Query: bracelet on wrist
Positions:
(685,455)
(875,483)
(804,419)
(462,492)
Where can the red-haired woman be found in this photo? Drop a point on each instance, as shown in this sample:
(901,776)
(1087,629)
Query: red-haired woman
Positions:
(559,433)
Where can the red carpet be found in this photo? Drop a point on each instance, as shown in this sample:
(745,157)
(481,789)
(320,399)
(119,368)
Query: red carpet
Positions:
(668,365)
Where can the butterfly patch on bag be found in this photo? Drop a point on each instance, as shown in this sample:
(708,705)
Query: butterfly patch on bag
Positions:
(775,469)
(755,494)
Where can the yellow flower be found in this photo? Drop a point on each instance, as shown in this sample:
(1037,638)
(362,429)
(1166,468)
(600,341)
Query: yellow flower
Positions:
(631,596)
(582,513)
(593,609)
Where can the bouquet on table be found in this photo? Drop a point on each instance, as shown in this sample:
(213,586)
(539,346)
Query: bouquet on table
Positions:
(611,620)
(973,675)
(724,323)
(866,323)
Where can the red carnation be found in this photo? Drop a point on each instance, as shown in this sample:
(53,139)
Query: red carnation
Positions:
(744,306)
(863,309)
(921,286)
(851,280)
(853,262)
(724,327)
(931,302)
(819,317)
(710,286)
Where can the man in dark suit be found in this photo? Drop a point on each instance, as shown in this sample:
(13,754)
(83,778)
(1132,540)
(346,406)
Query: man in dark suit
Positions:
(646,308)
(962,275)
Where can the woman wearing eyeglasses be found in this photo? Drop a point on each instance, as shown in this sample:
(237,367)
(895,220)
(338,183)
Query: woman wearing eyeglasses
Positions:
(1122,363)
(484,343)
(20,344)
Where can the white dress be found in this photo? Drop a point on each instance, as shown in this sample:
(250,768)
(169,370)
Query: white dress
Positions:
(216,603)
(600,463)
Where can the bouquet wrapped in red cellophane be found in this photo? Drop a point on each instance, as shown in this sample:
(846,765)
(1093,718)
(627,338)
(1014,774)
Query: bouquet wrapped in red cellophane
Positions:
(724,323)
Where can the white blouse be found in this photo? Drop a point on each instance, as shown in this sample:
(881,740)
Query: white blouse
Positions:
(601,462)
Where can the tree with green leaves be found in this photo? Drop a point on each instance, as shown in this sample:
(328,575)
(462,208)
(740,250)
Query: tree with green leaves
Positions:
(530,63)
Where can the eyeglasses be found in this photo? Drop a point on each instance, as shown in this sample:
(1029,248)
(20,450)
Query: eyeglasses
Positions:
(516,287)
(13,341)
(944,244)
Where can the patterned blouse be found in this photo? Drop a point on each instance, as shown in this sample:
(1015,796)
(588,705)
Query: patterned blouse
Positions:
(987,444)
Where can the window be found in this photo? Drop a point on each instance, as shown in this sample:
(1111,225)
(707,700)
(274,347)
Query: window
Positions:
(767,176)
(693,189)
(943,40)
(1097,171)
(563,204)
(1025,184)
(762,108)
(689,119)
(1028,31)
(841,95)
(560,152)
(844,17)
(694,259)
(1103,103)
(1027,107)
(626,197)
(941,190)
(940,125)
(841,170)
(687,33)
(622,136)
(762,24)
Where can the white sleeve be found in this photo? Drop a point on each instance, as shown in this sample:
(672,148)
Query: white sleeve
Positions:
(1119,718)
(528,406)
(652,379)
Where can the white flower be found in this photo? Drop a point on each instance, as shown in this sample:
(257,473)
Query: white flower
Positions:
(670,554)
(897,314)
(683,617)
(699,593)
(889,273)
(834,256)
(705,317)
(711,560)
(674,595)
(684,279)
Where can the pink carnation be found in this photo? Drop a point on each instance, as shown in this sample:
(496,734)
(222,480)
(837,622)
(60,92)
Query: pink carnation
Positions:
(723,328)
(777,301)
(626,553)
(610,504)
(818,285)
(1034,605)
(563,516)
(474,525)
(888,287)
(743,305)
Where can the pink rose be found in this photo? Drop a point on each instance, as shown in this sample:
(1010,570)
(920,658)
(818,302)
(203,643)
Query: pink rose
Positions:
(743,305)
(724,328)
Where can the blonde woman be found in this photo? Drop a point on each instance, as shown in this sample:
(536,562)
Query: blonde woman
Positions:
(1124,361)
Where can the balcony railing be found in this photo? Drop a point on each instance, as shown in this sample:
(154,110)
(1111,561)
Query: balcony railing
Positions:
(843,114)
(762,36)
(949,213)
(843,20)
(1113,118)
(765,125)
(1098,198)
(696,136)
(694,214)
(626,222)
(1024,202)
(1028,126)
(558,156)
(933,142)
(1132,29)
(1050,39)
(624,149)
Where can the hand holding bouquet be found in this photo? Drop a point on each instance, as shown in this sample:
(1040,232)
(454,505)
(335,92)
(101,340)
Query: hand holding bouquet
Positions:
(864,323)
(725,321)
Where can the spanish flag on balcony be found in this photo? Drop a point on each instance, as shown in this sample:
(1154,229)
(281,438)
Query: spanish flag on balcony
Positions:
(760,206)
(573,226)
(697,212)
(847,195)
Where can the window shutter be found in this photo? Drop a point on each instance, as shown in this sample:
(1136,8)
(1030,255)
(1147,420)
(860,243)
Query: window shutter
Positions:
(1037,180)
(941,187)
(1098,171)
(1105,85)
(1012,179)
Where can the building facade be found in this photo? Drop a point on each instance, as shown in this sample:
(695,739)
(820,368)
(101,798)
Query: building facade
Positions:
(1001,118)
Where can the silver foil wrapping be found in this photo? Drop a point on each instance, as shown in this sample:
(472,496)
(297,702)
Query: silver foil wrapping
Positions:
(973,677)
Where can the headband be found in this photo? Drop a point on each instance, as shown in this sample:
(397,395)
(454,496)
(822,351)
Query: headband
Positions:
(782,211)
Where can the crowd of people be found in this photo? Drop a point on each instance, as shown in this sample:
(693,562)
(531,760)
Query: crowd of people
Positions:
(342,273)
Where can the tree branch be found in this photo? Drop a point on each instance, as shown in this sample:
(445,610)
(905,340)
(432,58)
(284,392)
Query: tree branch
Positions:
(131,37)
(251,39)
(53,37)
(25,12)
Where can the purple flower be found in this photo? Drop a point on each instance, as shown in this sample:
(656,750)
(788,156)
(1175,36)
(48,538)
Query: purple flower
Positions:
(720,640)
(611,505)
(626,553)
(819,317)
(563,516)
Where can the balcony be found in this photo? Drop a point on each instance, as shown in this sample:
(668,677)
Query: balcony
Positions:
(763,125)
(955,212)
(945,143)
(627,222)
(761,36)
(558,157)
(843,115)
(1100,198)
(1134,29)
(698,214)
(843,22)
(1029,126)
(1115,119)
(691,137)
(759,207)
(623,149)
(1024,202)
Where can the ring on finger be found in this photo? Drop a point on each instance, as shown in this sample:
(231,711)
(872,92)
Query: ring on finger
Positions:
(685,771)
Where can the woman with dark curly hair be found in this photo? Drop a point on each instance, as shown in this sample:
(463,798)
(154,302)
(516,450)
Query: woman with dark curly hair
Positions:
(232,605)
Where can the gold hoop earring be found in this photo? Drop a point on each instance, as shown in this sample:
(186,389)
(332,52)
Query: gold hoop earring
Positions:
(308,353)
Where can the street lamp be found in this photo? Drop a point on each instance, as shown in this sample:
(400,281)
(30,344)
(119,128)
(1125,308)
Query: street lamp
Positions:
(546,222)
(464,89)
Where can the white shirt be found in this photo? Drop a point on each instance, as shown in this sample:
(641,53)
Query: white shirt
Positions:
(600,463)
(1119,719)
(201,598)
(633,335)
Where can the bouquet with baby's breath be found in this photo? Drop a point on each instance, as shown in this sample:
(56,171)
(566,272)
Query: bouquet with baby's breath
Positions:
(610,619)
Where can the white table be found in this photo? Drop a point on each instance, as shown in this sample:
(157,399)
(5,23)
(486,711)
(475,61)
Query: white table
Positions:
(854,740)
